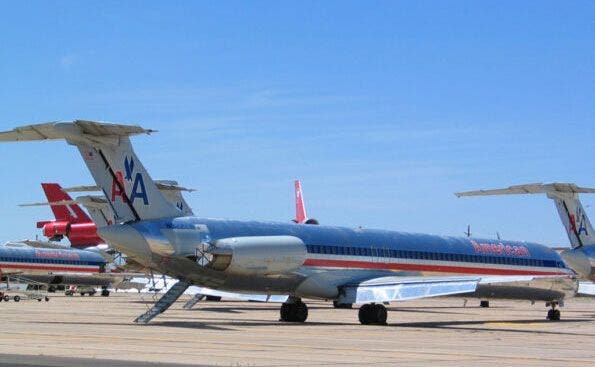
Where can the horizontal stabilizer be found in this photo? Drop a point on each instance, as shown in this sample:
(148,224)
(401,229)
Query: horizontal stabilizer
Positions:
(69,129)
(535,188)
(81,189)
(53,203)
(162,185)
(88,200)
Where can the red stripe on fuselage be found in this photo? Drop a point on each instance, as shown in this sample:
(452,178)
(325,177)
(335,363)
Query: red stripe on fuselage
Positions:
(46,267)
(423,267)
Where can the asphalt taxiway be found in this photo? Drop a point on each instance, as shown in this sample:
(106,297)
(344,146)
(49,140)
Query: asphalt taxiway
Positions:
(70,331)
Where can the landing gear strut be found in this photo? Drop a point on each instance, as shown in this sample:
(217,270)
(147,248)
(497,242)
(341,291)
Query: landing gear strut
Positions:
(294,311)
(553,314)
(336,304)
(372,314)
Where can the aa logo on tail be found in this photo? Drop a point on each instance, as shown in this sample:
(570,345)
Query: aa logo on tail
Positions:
(138,184)
(582,219)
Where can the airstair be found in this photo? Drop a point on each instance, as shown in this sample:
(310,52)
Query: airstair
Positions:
(164,302)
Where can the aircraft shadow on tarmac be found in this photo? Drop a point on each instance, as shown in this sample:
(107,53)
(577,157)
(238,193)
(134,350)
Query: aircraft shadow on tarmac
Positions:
(231,325)
(473,325)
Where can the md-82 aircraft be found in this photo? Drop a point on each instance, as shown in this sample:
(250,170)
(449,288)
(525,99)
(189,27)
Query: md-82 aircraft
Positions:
(346,265)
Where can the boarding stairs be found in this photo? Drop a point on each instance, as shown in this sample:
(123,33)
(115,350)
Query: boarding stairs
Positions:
(164,302)
(194,300)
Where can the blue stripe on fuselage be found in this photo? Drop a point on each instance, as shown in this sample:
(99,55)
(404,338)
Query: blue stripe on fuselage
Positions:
(377,241)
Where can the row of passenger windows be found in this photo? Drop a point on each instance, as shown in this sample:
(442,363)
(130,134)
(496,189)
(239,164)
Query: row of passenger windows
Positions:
(45,261)
(421,255)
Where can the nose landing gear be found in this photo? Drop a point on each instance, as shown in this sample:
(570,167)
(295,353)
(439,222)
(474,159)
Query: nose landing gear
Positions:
(553,314)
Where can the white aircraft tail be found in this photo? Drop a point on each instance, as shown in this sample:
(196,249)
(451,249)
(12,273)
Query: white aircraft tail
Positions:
(566,196)
(108,153)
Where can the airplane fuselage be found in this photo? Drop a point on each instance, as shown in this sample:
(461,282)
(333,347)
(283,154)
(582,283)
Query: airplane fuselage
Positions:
(28,260)
(318,259)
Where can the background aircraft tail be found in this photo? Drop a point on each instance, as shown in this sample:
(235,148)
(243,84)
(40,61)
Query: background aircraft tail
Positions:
(300,208)
(108,153)
(70,213)
(565,195)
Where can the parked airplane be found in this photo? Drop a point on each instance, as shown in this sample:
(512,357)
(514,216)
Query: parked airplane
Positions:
(22,263)
(342,264)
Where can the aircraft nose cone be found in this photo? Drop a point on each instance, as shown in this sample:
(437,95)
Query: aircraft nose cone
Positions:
(126,239)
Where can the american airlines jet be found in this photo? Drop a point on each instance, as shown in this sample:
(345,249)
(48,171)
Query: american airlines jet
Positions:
(348,265)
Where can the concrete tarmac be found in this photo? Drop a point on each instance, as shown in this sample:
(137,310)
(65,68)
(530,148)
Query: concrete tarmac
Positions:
(72,331)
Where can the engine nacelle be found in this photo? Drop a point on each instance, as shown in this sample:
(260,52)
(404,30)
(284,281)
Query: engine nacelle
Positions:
(83,234)
(56,230)
(258,255)
(79,234)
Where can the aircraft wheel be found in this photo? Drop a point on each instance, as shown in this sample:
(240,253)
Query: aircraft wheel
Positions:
(6,298)
(47,299)
(104,293)
(372,314)
(39,300)
(294,312)
(301,312)
(16,298)
(342,305)
(553,315)
(484,304)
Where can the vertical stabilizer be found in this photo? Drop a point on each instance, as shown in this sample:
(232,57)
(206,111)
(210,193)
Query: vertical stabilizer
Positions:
(71,213)
(573,217)
(108,153)
(300,208)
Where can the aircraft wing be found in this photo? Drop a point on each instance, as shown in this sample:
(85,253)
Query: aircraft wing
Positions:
(45,244)
(395,288)
(386,289)
(586,289)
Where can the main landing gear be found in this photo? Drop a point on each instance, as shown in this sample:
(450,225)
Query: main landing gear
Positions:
(553,314)
(372,314)
(294,310)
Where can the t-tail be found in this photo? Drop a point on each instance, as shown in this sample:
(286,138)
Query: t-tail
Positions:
(108,153)
(572,214)
(71,213)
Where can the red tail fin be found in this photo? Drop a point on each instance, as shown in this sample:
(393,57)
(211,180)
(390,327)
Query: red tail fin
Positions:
(300,208)
(70,213)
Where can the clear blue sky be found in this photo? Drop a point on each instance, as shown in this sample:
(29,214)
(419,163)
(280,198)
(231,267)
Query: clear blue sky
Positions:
(383,109)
